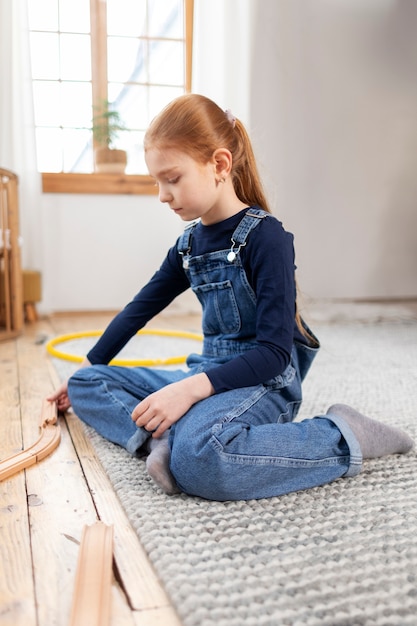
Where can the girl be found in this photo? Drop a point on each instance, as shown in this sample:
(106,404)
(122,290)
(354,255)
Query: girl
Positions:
(223,429)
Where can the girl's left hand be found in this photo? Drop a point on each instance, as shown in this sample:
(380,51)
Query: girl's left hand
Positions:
(158,411)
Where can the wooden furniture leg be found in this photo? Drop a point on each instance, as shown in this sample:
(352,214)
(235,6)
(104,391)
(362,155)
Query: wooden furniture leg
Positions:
(11,283)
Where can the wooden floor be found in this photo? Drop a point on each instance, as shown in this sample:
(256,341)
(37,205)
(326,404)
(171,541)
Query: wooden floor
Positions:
(44,508)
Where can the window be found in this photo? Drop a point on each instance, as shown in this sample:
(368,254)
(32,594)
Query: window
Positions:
(127,56)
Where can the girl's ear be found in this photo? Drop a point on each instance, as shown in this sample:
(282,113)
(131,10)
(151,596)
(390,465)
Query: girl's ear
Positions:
(222,159)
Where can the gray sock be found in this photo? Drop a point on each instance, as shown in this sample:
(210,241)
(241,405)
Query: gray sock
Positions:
(157,464)
(375,438)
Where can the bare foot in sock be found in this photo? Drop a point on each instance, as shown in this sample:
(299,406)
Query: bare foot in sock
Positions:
(375,438)
(157,465)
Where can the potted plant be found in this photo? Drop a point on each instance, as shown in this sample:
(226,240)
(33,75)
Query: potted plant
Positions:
(106,127)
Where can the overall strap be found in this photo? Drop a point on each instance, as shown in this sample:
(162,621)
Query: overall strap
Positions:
(184,242)
(251,219)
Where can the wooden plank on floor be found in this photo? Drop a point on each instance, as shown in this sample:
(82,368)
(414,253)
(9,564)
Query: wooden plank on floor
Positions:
(147,598)
(17,596)
(139,578)
(10,423)
(38,560)
(59,501)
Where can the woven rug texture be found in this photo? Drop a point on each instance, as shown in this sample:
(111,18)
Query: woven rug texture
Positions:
(344,554)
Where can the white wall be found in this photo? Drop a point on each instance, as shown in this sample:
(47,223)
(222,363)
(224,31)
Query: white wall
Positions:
(101,249)
(331,102)
(334,118)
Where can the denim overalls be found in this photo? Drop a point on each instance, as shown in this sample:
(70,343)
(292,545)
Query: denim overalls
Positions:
(240,444)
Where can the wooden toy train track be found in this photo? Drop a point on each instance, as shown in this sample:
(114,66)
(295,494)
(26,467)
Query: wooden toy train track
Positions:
(92,592)
(50,436)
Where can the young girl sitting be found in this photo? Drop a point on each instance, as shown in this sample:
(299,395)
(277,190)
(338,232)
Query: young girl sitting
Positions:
(223,429)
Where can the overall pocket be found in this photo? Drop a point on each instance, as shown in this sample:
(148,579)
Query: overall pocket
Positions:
(220,310)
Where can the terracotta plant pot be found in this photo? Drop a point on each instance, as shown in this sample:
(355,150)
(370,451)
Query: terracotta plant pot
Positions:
(110,160)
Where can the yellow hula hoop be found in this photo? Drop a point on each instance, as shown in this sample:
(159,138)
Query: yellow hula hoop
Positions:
(75,358)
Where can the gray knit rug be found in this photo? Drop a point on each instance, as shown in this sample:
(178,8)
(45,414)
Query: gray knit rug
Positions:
(344,554)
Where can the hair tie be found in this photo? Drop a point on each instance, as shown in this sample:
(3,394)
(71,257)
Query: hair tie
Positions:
(230,117)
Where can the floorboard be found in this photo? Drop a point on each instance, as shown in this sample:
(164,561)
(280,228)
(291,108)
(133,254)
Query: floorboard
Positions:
(45,507)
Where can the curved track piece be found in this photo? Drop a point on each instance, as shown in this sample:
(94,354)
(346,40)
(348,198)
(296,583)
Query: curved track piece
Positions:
(47,442)
(92,592)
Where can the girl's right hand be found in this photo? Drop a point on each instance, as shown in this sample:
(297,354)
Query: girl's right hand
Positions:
(60,396)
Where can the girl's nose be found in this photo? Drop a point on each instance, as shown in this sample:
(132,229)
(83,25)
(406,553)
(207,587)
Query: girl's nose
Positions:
(164,194)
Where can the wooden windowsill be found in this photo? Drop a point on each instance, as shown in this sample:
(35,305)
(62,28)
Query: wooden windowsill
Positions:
(99,184)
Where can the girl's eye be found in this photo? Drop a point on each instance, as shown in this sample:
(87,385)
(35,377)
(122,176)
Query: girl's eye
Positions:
(172,181)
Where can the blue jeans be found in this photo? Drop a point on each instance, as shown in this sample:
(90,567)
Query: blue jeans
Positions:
(234,452)
(104,397)
(237,445)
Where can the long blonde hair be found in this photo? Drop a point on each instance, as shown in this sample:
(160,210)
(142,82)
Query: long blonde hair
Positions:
(197,126)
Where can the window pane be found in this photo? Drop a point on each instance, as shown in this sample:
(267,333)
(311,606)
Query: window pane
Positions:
(138,105)
(160,97)
(45,55)
(62,104)
(166,63)
(75,57)
(64,150)
(126,59)
(78,151)
(74,16)
(132,142)
(76,101)
(132,103)
(117,24)
(49,149)
(167,21)
(47,103)
(43,14)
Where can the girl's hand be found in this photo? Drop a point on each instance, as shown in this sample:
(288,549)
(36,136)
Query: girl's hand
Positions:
(163,408)
(60,396)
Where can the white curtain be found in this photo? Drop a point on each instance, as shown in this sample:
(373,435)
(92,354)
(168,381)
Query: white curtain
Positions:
(17,133)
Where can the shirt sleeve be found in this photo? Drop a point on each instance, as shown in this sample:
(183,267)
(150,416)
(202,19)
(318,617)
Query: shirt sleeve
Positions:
(268,259)
(167,283)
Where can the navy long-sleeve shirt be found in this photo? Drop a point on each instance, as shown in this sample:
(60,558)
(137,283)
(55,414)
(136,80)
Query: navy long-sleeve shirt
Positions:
(268,260)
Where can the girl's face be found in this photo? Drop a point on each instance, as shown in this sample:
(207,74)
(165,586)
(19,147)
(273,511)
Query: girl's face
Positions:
(190,188)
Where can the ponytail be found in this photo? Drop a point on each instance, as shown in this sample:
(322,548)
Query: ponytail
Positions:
(245,175)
